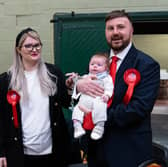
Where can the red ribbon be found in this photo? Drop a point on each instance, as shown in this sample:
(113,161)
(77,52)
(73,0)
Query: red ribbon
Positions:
(88,122)
(132,78)
(13,98)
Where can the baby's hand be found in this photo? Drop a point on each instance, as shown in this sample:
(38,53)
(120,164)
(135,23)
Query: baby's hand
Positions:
(105,98)
(84,109)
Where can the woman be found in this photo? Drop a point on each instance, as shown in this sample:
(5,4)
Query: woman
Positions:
(33,129)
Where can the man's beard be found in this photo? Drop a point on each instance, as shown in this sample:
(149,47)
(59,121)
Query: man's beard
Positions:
(119,47)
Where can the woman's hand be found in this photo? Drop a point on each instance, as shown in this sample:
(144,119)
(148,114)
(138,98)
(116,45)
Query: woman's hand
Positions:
(70,80)
(88,86)
(3,162)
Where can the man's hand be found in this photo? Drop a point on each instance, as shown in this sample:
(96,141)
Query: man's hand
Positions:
(88,86)
(3,162)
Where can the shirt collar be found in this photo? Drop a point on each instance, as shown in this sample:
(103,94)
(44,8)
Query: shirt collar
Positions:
(123,53)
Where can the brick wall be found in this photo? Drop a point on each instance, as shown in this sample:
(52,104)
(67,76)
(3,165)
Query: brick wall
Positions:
(18,14)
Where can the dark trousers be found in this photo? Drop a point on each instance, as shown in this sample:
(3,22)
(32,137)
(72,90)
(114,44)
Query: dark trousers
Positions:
(39,161)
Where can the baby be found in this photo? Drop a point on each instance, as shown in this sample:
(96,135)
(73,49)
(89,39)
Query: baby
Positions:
(98,66)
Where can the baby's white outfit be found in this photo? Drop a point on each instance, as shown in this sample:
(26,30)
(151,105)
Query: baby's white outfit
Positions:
(95,104)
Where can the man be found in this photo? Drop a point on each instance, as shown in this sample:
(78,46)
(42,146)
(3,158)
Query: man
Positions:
(127,140)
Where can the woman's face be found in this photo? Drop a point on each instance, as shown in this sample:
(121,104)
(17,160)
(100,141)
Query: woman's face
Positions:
(30,52)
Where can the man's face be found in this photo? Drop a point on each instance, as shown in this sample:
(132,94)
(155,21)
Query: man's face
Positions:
(118,32)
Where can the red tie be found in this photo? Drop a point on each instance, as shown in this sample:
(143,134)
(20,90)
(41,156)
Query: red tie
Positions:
(113,68)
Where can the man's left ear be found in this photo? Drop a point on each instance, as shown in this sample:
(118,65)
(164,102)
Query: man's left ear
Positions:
(132,29)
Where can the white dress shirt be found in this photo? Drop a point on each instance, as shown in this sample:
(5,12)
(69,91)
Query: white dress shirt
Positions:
(120,55)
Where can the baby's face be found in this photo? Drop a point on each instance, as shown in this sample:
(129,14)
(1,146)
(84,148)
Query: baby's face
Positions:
(97,65)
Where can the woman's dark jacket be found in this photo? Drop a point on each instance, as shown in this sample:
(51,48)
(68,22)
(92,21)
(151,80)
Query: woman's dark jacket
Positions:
(11,144)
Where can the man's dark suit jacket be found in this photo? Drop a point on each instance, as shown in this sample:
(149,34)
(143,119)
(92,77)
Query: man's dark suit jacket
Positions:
(127,140)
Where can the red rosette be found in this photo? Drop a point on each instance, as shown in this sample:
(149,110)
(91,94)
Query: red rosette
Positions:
(13,98)
(131,77)
(88,122)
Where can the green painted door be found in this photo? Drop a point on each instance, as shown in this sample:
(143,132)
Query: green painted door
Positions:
(77,38)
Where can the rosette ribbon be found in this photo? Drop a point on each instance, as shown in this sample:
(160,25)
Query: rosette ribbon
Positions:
(131,77)
(13,98)
(88,122)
